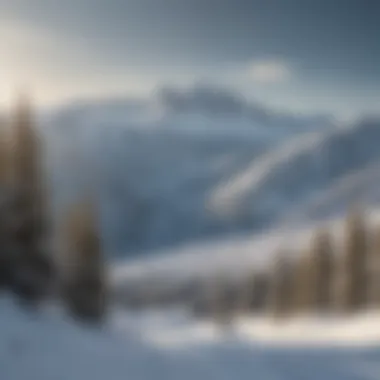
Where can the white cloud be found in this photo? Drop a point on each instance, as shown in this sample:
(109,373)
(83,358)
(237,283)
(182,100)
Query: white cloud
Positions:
(269,71)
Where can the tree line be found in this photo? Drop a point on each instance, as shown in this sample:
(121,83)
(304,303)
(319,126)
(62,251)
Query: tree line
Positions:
(32,268)
(324,278)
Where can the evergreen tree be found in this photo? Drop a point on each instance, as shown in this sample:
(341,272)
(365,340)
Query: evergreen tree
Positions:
(4,156)
(26,150)
(303,294)
(355,290)
(222,302)
(255,292)
(281,298)
(84,282)
(323,264)
(24,215)
(374,268)
(5,269)
(315,275)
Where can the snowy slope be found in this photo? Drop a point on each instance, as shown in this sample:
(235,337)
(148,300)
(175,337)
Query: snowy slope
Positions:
(302,169)
(360,187)
(168,345)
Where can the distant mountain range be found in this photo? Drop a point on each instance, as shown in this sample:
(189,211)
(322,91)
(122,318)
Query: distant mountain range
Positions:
(202,164)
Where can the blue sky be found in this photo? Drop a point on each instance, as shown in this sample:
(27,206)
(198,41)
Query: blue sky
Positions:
(307,55)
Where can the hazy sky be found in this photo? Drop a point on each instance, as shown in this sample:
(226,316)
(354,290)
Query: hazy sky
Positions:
(299,54)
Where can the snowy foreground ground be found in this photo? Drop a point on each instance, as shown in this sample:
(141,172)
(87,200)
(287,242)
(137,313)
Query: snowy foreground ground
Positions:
(168,345)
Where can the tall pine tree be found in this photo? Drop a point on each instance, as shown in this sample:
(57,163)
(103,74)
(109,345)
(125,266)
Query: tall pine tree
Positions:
(354,291)
(5,267)
(255,293)
(281,296)
(374,268)
(84,280)
(24,213)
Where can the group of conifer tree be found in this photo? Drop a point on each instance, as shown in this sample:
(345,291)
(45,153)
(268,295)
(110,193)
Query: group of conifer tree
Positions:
(334,275)
(330,277)
(31,268)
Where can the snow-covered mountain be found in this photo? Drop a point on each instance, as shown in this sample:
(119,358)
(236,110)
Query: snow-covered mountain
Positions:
(303,170)
(303,183)
(156,163)
(208,110)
